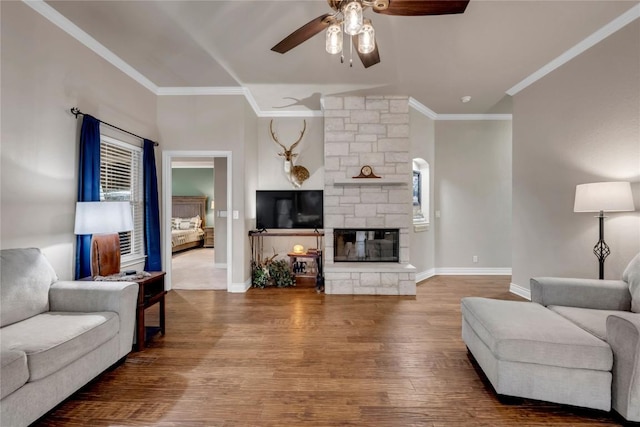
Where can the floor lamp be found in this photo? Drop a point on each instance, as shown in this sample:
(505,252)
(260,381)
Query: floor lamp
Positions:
(603,197)
(104,220)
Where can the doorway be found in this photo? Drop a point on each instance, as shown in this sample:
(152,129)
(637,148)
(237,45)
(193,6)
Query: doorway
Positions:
(220,266)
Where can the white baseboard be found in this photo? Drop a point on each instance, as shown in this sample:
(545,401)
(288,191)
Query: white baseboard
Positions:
(520,291)
(473,271)
(222,266)
(239,288)
(424,275)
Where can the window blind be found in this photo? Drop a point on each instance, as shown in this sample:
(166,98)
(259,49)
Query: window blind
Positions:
(121,180)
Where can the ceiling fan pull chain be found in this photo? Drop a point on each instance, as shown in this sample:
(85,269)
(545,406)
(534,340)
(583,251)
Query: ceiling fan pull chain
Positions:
(342,51)
(350,51)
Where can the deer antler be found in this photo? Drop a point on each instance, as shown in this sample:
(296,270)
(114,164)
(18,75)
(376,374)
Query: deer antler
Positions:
(274,137)
(290,149)
(301,135)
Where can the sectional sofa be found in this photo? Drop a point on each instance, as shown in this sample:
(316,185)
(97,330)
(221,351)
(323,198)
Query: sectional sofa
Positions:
(55,336)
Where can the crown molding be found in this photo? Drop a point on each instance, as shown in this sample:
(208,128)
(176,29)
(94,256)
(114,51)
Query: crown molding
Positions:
(474,117)
(77,33)
(421,108)
(604,32)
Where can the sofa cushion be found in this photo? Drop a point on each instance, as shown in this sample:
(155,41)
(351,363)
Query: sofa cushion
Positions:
(591,320)
(527,332)
(25,278)
(631,275)
(13,371)
(52,340)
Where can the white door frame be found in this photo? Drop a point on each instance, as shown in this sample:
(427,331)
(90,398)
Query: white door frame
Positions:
(167,157)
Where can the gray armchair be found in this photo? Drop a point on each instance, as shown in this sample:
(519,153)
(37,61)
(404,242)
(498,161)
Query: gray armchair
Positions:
(610,310)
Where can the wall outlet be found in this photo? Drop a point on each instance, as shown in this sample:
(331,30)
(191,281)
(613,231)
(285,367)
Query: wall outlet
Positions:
(475,258)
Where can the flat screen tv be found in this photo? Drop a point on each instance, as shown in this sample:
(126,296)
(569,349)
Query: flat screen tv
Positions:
(289,209)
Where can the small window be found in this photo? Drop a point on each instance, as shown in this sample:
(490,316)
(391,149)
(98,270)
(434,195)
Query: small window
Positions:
(420,195)
(121,180)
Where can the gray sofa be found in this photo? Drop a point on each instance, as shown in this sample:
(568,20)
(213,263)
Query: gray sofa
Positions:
(55,336)
(576,343)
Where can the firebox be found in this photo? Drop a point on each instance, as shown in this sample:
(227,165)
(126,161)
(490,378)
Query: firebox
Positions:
(366,245)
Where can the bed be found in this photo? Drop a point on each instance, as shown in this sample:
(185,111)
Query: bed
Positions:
(188,215)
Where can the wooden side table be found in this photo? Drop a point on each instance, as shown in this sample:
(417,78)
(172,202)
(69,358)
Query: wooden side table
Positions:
(208,237)
(151,291)
(316,269)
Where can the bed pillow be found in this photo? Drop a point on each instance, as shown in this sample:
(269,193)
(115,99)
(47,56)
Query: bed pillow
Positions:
(196,222)
(185,224)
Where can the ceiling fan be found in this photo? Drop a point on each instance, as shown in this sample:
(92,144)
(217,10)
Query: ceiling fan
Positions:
(348,19)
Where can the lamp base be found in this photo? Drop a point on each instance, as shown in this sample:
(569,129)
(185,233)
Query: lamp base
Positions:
(105,254)
(601,249)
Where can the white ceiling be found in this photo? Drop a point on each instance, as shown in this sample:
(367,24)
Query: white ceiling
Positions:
(436,60)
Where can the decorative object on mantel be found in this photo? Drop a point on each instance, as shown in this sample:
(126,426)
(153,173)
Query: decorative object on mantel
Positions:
(295,173)
(367,172)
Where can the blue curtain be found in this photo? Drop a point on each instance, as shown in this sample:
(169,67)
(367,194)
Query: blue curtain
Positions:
(88,186)
(151,210)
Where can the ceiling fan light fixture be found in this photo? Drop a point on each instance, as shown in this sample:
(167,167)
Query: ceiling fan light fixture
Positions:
(366,38)
(334,39)
(352,13)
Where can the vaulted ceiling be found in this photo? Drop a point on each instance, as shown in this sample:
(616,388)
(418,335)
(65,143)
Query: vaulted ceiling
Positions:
(481,53)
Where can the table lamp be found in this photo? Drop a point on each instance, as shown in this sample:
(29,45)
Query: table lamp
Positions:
(603,197)
(104,220)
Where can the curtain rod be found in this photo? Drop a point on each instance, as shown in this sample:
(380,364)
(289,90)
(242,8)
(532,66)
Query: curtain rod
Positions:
(76,112)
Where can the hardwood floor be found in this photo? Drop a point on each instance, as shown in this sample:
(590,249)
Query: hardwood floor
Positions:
(291,357)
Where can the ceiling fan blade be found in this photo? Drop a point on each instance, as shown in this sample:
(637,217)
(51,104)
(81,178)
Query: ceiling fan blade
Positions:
(424,7)
(368,59)
(303,33)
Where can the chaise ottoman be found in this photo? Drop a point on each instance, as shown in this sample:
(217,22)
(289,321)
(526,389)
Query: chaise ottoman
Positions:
(526,350)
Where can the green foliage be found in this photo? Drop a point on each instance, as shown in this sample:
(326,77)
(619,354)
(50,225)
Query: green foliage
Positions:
(273,273)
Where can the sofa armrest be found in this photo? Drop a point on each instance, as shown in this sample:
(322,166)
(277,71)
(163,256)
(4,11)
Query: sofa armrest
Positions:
(585,293)
(87,297)
(623,335)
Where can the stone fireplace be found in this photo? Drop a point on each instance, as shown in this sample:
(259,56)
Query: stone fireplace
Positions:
(376,212)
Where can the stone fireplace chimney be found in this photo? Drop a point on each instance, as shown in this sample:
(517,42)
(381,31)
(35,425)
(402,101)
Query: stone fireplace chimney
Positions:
(372,131)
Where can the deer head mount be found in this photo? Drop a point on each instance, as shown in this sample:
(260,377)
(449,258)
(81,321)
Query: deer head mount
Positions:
(295,174)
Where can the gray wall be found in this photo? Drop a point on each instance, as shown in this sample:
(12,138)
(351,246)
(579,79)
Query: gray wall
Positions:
(473,194)
(44,73)
(577,125)
(214,123)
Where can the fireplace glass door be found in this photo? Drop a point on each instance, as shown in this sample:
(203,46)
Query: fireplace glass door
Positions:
(366,245)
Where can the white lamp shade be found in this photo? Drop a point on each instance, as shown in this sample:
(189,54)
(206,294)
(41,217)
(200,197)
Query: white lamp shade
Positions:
(213,205)
(604,196)
(103,217)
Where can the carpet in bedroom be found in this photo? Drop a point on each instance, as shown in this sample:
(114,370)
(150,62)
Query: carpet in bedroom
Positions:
(195,269)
